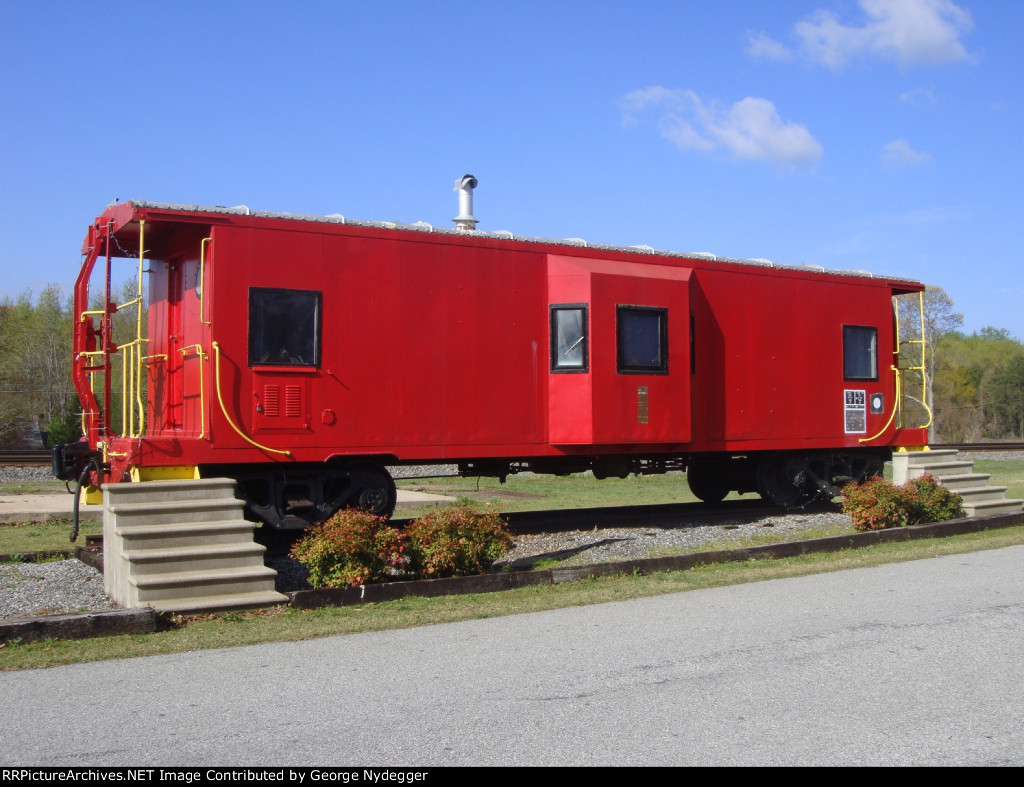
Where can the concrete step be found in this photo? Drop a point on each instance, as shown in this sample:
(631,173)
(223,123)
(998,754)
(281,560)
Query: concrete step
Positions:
(939,469)
(979,499)
(987,507)
(223,602)
(979,493)
(184,585)
(965,481)
(175,534)
(924,457)
(173,511)
(166,491)
(205,557)
(182,546)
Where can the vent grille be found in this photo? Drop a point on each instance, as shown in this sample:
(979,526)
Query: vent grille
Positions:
(271,400)
(292,401)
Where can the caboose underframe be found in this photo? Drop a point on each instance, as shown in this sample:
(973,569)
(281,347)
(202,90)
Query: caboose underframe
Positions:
(302,355)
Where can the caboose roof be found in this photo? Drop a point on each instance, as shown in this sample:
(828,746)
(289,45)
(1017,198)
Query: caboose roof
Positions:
(198,211)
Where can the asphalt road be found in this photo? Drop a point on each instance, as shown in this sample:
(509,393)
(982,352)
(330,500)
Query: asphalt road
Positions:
(917,663)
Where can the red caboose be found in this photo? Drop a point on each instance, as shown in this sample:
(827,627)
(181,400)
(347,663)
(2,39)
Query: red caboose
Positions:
(302,355)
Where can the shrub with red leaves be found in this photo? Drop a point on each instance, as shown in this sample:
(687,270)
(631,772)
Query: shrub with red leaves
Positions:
(877,504)
(351,548)
(456,541)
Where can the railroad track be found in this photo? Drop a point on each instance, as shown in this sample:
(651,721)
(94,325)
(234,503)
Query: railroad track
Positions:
(981,446)
(24,458)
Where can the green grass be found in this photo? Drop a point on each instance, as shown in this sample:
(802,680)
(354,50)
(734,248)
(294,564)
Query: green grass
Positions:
(32,488)
(529,492)
(275,625)
(42,536)
(1008,474)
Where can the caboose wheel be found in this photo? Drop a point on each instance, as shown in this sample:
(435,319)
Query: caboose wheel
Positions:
(709,481)
(373,489)
(373,499)
(781,480)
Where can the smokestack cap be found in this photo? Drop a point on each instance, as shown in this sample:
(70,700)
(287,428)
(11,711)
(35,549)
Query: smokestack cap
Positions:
(465,221)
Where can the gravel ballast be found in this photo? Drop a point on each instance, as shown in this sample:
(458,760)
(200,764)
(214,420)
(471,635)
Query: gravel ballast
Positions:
(61,587)
(608,544)
(68,586)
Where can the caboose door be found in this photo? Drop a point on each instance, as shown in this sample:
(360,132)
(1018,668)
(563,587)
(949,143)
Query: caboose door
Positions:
(176,350)
(619,352)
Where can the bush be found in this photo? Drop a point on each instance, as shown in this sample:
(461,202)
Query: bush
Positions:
(456,541)
(356,548)
(877,504)
(929,501)
(351,548)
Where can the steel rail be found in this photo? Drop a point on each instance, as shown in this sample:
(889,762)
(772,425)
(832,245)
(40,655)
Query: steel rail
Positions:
(21,458)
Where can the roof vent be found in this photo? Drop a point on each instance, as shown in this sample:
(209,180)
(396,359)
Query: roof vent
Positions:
(465,221)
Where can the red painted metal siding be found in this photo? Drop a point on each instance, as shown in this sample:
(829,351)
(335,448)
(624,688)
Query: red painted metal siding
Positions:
(769,349)
(437,347)
(425,350)
(603,407)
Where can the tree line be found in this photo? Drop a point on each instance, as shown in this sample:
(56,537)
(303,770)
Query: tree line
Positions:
(975,382)
(37,394)
(36,391)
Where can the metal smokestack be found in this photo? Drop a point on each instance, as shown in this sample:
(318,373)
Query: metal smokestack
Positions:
(465,221)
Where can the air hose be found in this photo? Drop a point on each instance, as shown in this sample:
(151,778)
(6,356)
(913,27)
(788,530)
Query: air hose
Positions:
(91,465)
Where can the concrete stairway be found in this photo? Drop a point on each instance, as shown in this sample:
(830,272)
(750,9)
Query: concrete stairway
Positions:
(182,546)
(957,475)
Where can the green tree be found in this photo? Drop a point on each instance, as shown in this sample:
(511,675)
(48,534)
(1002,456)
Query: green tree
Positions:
(979,385)
(35,364)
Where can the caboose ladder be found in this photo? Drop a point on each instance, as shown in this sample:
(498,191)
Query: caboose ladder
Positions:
(182,546)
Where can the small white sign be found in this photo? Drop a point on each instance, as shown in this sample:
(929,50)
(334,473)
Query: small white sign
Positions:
(856,411)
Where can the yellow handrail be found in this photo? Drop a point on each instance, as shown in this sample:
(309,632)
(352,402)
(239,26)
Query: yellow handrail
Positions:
(224,409)
(197,349)
(131,386)
(922,342)
(892,415)
(137,349)
(202,280)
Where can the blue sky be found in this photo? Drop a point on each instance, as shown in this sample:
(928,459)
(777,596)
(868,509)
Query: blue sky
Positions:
(882,135)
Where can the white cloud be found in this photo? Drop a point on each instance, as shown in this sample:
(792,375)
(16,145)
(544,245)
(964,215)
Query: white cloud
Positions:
(910,32)
(750,129)
(898,153)
(918,96)
(761,45)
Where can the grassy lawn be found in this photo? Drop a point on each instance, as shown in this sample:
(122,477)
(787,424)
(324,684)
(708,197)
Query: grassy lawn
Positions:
(42,536)
(527,492)
(32,488)
(1008,474)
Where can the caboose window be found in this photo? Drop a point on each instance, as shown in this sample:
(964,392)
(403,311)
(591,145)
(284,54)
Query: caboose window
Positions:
(642,333)
(284,327)
(860,353)
(569,338)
